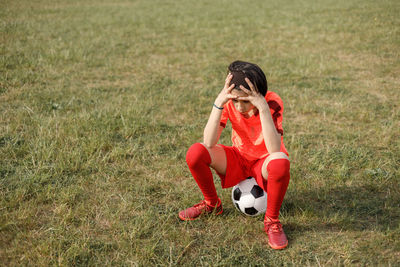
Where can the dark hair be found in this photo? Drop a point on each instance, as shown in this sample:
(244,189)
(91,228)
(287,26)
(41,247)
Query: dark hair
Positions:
(252,72)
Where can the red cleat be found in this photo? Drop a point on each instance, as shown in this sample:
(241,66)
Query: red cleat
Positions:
(276,236)
(194,212)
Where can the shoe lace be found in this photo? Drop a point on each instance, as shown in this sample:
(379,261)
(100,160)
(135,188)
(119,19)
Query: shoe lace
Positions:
(275,227)
(201,205)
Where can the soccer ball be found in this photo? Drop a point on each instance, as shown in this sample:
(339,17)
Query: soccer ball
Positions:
(249,198)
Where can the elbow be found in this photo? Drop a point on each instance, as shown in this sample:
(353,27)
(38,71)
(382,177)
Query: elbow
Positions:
(208,144)
(275,149)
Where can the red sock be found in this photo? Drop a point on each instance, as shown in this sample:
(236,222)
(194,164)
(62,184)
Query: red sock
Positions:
(199,160)
(277,183)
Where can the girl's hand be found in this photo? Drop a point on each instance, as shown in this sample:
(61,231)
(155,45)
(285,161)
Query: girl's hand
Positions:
(257,99)
(225,94)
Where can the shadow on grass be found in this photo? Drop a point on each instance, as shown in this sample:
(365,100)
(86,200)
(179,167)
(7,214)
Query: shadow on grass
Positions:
(364,207)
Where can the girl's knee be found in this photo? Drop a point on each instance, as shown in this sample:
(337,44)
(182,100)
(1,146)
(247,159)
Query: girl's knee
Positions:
(277,155)
(278,168)
(196,154)
(276,165)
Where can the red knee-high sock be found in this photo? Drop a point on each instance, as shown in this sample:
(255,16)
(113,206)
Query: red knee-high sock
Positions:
(199,160)
(277,183)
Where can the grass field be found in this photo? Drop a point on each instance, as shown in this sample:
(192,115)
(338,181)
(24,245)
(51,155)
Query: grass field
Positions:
(99,101)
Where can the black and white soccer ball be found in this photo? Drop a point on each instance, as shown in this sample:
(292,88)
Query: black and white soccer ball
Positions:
(249,198)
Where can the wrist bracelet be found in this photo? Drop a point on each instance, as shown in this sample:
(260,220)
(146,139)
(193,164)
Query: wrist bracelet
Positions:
(218,107)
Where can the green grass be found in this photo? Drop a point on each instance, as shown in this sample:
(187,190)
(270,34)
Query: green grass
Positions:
(99,101)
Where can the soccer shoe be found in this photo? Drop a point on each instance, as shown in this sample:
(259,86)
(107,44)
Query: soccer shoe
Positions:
(276,236)
(194,212)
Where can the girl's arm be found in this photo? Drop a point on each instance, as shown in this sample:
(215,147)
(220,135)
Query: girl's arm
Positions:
(272,138)
(213,130)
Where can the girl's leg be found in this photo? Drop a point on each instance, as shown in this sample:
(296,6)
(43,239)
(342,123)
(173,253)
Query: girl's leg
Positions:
(276,170)
(199,159)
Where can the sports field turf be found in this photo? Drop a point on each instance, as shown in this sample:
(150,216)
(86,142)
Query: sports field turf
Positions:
(99,101)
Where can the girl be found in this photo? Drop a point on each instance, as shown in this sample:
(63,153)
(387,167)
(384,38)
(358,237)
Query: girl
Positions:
(257,147)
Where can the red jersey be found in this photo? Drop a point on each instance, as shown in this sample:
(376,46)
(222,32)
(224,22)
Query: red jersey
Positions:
(247,134)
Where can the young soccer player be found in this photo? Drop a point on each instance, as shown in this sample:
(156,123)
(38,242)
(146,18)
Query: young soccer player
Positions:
(258,150)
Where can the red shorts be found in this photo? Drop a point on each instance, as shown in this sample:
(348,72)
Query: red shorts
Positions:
(238,168)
